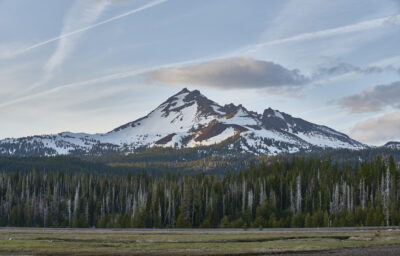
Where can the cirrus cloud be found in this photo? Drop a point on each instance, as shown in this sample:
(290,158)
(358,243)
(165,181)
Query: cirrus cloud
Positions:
(231,73)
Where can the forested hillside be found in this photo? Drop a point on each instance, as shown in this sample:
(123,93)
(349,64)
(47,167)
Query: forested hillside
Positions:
(288,192)
(157,161)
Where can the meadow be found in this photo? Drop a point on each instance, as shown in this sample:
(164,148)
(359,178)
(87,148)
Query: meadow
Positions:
(39,241)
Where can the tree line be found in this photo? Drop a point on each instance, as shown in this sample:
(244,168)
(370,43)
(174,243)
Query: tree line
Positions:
(290,192)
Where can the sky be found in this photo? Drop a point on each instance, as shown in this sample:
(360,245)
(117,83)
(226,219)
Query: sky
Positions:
(92,65)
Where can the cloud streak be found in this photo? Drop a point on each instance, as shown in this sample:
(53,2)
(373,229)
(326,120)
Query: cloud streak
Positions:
(344,68)
(373,99)
(89,27)
(231,73)
(352,28)
(103,79)
(82,14)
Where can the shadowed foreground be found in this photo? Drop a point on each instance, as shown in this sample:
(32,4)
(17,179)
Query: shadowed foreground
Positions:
(31,241)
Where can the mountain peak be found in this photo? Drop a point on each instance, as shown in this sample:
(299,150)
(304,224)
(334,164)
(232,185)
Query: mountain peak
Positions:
(189,119)
(184,90)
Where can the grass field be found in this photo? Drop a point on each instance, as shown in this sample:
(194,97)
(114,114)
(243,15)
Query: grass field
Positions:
(16,241)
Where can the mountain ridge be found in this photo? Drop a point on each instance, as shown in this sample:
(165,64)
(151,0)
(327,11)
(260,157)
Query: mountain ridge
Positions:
(188,119)
(392,145)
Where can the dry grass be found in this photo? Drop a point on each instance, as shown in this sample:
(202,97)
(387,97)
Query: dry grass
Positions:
(181,242)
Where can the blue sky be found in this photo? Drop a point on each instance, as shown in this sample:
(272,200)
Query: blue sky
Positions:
(90,66)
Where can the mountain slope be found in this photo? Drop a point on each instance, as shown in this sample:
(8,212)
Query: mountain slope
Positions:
(189,119)
(392,145)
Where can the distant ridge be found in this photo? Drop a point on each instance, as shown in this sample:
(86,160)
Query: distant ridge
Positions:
(392,145)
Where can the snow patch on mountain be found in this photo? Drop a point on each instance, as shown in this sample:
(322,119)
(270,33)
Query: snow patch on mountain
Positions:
(321,140)
(241,118)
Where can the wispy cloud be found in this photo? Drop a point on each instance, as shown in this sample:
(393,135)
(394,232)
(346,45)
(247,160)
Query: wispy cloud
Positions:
(344,68)
(82,14)
(97,80)
(230,73)
(373,99)
(352,28)
(7,49)
(86,28)
(56,89)
(378,130)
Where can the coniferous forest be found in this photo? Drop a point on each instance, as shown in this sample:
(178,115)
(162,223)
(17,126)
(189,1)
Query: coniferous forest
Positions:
(291,192)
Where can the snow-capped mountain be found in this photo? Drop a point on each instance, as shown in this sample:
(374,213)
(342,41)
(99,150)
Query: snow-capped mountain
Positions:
(188,119)
(392,145)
